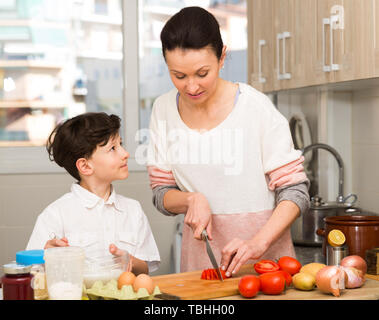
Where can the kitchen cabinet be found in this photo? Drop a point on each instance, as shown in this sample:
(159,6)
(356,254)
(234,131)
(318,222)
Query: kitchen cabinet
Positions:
(284,44)
(312,42)
(305,43)
(376,36)
(345,40)
(271,44)
(260,43)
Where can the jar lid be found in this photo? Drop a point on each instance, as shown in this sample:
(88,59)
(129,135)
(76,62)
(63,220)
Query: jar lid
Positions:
(29,257)
(15,268)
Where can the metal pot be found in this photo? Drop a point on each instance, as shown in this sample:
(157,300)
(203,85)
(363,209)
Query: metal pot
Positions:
(304,228)
(361,232)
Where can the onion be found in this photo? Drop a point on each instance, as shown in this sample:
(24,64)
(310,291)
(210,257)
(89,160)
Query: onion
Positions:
(331,279)
(356,262)
(355,277)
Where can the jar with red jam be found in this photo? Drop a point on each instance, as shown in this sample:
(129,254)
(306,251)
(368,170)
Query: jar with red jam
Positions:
(17,282)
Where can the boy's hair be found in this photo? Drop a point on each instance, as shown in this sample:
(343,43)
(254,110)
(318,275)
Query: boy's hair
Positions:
(79,137)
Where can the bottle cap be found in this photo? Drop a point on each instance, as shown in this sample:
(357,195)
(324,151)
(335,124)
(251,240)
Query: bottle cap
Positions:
(29,257)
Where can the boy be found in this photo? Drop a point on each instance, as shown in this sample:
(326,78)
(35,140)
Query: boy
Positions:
(92,215)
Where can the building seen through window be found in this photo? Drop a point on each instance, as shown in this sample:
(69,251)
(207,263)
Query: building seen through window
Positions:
(57,59)
(61,58)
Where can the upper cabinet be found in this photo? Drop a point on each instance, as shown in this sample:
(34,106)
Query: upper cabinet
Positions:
(298,43)
(260,45)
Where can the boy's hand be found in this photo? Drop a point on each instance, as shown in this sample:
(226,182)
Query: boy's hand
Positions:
(53,243)
(121,253)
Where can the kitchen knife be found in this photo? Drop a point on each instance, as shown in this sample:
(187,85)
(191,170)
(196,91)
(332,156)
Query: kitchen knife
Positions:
(211,256)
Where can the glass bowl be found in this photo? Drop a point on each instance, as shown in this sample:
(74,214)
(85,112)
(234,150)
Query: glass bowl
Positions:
(102,265)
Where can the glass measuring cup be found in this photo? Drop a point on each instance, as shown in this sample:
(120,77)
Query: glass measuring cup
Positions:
(64,272)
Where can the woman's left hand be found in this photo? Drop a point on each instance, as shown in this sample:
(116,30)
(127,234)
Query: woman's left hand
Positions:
(236,253)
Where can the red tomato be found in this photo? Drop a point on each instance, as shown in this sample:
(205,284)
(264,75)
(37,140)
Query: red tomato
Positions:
(211,274)
(287,276)
(223,273)
(272,282)
(249,286)
(289,264)
(264,266)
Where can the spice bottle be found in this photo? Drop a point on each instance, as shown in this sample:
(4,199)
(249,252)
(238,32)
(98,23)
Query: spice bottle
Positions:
(34,258)
(17,282)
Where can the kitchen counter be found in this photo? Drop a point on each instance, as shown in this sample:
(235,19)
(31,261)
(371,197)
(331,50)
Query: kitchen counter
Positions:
(189,286)
(369,291)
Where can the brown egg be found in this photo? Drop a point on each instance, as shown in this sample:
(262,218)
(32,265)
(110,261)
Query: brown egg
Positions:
(143,281)
(126,278)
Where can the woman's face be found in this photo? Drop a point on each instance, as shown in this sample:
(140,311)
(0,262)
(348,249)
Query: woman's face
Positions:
(194,72)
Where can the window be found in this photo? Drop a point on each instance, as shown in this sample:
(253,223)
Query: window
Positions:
(57,59)
(64,57)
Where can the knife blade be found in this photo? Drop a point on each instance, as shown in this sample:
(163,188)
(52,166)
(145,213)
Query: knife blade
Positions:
(211,255)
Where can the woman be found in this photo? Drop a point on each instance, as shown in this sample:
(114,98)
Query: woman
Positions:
(221,154)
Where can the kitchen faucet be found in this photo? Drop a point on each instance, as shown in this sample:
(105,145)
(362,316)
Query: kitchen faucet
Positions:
(340,197)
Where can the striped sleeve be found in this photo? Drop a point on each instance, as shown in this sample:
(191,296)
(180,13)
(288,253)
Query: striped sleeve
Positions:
(159,177)
(289,174)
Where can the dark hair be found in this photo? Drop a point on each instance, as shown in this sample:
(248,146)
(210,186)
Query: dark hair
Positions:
(79,137)
(192,28)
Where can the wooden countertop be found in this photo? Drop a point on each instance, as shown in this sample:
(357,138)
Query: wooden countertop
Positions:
(369,291)
(189,286)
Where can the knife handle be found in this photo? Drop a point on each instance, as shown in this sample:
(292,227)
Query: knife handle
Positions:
(204,234)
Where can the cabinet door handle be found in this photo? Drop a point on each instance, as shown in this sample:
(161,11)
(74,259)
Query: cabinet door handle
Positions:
(285,75)
(282,36)
(261,43)
(331,22)
(325,68)
(278,38)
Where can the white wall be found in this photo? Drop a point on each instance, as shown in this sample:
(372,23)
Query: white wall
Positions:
(365,147)
(23,197)
(349,122)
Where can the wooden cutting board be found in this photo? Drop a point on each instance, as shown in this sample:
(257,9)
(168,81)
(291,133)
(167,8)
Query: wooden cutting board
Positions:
(189,286)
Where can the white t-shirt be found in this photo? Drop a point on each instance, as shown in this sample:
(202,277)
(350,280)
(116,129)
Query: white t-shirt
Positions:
(89,222)
(229,163)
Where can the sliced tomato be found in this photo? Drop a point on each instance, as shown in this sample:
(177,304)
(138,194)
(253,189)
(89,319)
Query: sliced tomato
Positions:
(223,274)
(264,266)
(211,274)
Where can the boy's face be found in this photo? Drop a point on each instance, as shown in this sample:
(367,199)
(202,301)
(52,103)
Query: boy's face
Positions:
(109,162)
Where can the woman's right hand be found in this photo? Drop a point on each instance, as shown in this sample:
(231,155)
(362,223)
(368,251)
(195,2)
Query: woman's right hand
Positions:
(56,243)
(199,216)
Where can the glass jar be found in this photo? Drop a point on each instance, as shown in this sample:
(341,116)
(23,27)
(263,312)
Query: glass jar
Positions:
(17,282)
(34,258)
